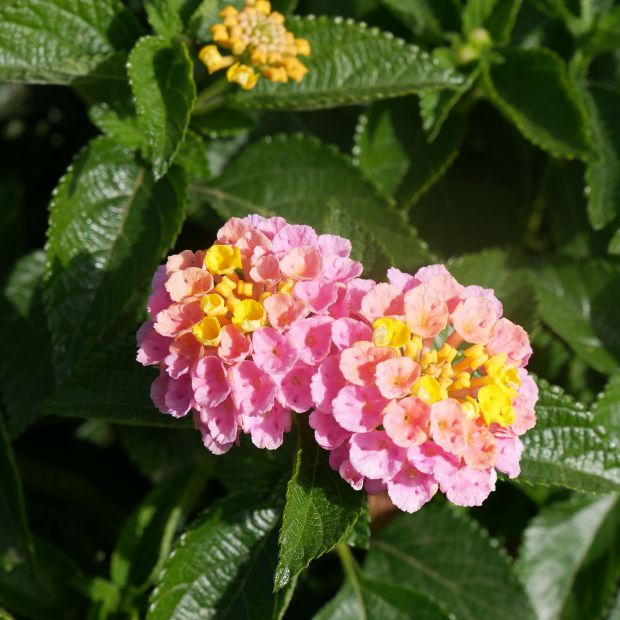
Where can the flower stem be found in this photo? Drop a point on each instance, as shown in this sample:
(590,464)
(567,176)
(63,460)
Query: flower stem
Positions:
(212,97)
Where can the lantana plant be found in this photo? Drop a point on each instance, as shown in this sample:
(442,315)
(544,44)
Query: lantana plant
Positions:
(309,309)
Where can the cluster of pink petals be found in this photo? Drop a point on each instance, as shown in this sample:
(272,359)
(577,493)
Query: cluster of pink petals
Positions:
(383,438)
(316,350)
(252,381)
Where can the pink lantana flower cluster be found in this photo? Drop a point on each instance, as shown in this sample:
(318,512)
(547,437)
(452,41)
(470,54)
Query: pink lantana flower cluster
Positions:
(414,385)
(434,398)
(238,330)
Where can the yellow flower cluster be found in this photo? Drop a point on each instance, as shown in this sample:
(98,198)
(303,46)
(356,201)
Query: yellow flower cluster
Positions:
(489,393)
(259,44)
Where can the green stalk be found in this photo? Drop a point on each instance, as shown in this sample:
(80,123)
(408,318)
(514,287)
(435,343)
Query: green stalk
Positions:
(212,97)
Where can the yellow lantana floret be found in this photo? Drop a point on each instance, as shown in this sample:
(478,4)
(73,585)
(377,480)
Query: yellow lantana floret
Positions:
(259,44)
(428,389)
(388,332)
(223,259)
(213,305)
(249,315)
(208,331)
(495,406)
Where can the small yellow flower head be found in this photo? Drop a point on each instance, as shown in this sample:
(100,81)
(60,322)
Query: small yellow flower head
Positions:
(223,259)
(249,315)
(389,332)
(208,331)
(259,44)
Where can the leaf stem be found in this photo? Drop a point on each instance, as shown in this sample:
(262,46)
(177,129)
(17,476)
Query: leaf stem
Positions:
(212,97)
(349,565)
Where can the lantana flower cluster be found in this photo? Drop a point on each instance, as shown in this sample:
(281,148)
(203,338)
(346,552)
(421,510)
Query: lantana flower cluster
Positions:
(259,44)
(238,330)
(414,385)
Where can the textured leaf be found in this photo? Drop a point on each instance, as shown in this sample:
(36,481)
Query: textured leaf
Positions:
(504,272)
(192,157)
(160,72)
(60,41)
(427,18)
(320,508)
(110,224)
(221,566)
(448,557)
(349,64)
(606,409)
(224,123)
(603,173)
(561,128)
(169,17)
(303,180)
(147,536)
(557,545)
(371,599)
(579,301)
(436,104)
(206,15)
(614,613)
(108,384)
(358,534)
(567,447)
(25,344)
(119,121)
(391,149)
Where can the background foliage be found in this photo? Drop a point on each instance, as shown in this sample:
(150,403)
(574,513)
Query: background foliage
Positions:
(482,133)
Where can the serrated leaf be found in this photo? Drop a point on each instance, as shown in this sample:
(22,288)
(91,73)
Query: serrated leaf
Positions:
(25,344)
(371,599)
(606,409)
(427,18)
(603,172)
(504,272)
(349,64)
(449,558)
(320,508)
(224,123)
(160,72)
(567,447)
(169,17)
(61,41)
(108,384)
(147,536)
(118,120)
(579,301)
(561,127)
(358,534)
(556,547)
(435,103)
(221,565)
(391,149)
(303,180)
(110,224)
(192,157)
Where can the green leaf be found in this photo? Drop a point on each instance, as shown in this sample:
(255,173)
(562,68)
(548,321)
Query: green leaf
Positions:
(606,409)
(605,34)
(567,447)
(169,17)
(110,224)
(61,41)
(358,534)
(118,120)
(579,301)
(192,157)
(108,384)
(504,272)
(561,127)
(206,15)
(362,598)
(435,103)
(160,72)
(603,173)
(350,63)
(221,567)
(427,18)
(147,536)
(391,149)
(449,558)
(558,544)
(25,344)
(320,508)
(614,613)
(224,123)
(303,180)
